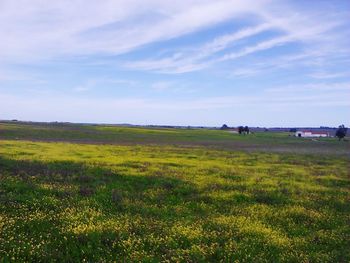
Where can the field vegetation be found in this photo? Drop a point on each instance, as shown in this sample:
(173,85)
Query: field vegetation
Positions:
(104,194)
(101,134)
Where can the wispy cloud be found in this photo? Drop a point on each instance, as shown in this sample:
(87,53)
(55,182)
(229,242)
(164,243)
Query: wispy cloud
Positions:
(162,85)
(329,75)
(317,87)
(57,30)
(307,29)
(42,30)
(183,62)
(69,52)
(99,83)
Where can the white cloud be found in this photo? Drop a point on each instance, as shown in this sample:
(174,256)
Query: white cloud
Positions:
(36,30)
(318,35)
(318,61)
(94,83)
(40,29)
(328,75)
(181,63)
(325,88)
(162,85)
(278,41)
(245,72)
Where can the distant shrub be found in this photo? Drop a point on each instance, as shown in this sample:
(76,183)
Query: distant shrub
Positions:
(86,191)
(116,196)
(84,179)
(63,194)
(224,127)
(168,185)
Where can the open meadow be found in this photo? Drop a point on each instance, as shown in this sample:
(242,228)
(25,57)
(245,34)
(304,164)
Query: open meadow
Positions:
(74,193)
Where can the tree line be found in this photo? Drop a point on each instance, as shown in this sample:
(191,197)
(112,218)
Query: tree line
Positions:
(340,133)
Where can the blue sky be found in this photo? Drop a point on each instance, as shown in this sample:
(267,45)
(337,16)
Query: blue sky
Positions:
(193,62)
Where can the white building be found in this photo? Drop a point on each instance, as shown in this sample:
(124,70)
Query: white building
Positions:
(311,134)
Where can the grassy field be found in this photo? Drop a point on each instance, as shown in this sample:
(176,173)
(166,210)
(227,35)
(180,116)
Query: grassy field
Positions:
(100,194)
(98,134)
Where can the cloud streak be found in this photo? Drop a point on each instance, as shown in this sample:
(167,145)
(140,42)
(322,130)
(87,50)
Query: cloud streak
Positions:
(40,29)
(307,29)
(36,30)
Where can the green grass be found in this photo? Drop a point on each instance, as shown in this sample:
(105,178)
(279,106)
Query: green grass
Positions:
(172,202)
(98,134)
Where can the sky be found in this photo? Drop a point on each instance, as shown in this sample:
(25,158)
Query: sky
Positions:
(188,62)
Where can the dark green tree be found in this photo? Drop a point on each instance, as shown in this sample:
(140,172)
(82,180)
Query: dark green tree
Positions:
(341,132)
(224,127)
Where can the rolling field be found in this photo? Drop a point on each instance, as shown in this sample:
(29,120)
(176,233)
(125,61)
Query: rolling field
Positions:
(217,139)
(75,193)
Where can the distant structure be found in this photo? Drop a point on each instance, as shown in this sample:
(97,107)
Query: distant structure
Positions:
(233,130)
(311,134)
(224,127)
